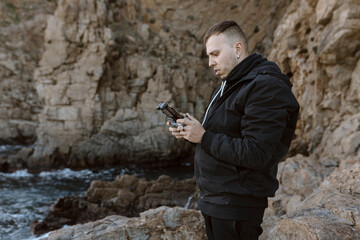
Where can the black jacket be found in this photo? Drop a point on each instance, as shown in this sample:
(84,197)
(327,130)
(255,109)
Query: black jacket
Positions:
(248,130)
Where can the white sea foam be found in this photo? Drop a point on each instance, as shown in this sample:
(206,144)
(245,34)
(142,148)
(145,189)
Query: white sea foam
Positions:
(17,174)
(187,205)
(44,235)
(39,237)
(66,173)
(9,147)
(58,174)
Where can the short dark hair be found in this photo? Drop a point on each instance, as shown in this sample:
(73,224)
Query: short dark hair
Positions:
(230,27)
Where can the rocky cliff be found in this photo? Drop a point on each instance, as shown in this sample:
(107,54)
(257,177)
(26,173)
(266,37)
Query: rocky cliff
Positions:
(103,66)
(317,44)
(107,64)
(21,47)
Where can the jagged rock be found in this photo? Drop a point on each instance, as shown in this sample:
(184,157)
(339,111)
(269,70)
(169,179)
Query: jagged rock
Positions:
(127,196)
(345,139)
(16,161)
(298,176)
(314,224)
(325,78)
(160,223)
(331,212)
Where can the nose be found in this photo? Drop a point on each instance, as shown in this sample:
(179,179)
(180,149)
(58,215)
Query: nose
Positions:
(212,63)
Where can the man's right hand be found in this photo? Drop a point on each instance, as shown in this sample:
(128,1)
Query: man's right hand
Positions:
(175,131)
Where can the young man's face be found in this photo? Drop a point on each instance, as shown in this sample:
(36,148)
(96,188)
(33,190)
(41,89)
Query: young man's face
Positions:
(222,55)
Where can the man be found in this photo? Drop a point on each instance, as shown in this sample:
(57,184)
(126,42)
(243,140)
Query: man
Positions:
(246,130)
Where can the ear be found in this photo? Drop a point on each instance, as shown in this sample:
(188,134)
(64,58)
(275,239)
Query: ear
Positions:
(239,47)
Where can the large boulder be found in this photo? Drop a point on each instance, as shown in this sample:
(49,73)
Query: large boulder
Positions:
(160,223)
(331,212)
(127,196)
(299,177)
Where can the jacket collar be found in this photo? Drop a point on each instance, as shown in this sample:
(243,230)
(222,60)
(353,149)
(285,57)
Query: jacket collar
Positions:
(244,68)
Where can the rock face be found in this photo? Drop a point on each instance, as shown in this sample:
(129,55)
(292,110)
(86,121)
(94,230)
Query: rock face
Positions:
(308,45)
(21,46)
(299,176)
(160,223)
(126,196)
(317,44)
(108,64)
(331,212)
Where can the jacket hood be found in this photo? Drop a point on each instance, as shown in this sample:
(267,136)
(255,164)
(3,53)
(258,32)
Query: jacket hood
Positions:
(252,66)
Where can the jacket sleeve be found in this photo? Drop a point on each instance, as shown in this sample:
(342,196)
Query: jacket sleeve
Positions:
(262,126)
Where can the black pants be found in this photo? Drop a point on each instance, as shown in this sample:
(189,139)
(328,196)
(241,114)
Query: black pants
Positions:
(223,229)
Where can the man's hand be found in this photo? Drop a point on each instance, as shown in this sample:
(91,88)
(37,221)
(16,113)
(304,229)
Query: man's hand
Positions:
(176,132)
(193,131)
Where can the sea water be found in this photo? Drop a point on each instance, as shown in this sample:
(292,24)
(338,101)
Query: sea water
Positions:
(25,197)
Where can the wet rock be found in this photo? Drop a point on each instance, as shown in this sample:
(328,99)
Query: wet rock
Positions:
(16,161)
(160,223)
(15,158)
(4,165)
(126,196)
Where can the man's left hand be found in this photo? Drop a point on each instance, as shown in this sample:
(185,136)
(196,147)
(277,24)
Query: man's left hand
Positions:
(193,131)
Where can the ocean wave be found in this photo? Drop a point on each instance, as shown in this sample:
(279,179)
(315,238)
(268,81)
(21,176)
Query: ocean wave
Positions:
(4,148)
(38,237)
(58,174)
(67,173)
(45,235)
(17,174)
